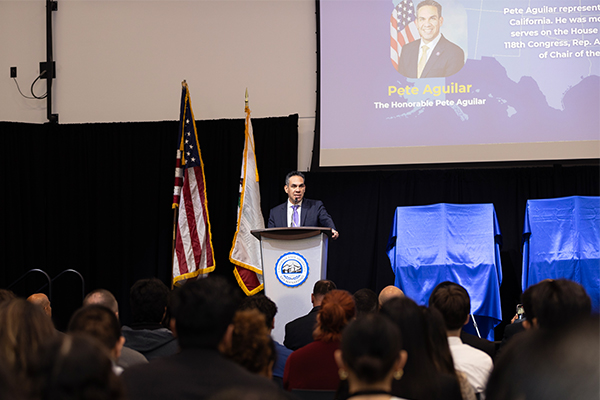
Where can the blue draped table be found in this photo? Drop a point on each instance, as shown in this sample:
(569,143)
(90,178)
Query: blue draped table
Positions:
(450,242)
(561,239)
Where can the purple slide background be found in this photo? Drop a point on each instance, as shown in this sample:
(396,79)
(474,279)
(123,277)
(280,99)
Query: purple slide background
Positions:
(528,99)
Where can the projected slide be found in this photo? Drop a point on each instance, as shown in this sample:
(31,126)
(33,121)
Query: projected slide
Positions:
(498,81)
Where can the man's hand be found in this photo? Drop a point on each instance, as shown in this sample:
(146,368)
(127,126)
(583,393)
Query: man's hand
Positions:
(335,234)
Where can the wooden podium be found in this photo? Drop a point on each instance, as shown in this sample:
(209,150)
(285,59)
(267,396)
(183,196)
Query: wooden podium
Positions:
(293,259)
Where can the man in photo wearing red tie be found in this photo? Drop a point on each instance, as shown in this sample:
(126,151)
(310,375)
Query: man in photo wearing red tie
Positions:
(432,56)
(298,211)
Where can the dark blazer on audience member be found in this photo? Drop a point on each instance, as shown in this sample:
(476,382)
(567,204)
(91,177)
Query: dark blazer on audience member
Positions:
(312,213)
(299,332)
(484,345)
(193,374)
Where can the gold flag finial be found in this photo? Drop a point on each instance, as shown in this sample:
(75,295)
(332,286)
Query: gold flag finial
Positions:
(246,97)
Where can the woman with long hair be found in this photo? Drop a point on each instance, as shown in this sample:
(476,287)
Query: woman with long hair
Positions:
(313,366)
(371,357)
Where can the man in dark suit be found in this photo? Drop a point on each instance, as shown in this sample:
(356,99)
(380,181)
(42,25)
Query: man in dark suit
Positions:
(433,55)
(202,312)
(299,332)
(298,211)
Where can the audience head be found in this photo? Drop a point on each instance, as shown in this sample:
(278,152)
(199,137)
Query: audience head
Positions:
(6,295)
(41,300)
(453,302)
(148,299)
(102,297)
(371,351)
(263,304)
(549,365)
(337,309)
(389,292)
(76,367)
(202,311)
(100,323)
(320,289)
(251,343)
(557,303)
(24,328)
(366,302)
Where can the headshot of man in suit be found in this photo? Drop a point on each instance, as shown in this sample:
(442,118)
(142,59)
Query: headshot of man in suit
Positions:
(298,211)
(431,56)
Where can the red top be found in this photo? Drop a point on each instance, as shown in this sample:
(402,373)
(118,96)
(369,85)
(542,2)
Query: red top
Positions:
(312,367)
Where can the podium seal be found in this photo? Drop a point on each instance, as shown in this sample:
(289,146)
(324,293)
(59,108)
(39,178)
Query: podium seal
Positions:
(291,269)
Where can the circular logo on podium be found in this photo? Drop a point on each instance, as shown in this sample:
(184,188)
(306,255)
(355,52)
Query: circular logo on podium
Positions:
(291,269)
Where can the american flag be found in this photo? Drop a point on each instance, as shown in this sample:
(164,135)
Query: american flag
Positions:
(402,28)
(245,251)
(193,253)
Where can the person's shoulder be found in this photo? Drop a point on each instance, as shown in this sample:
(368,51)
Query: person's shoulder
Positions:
(447,44)
(410,45)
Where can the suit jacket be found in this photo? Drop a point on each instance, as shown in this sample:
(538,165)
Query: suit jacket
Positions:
(193,374)
(312,213)
(484,345)
(298,333)
(446,59)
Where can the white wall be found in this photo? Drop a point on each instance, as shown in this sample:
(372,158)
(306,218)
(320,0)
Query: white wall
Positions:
(124,60)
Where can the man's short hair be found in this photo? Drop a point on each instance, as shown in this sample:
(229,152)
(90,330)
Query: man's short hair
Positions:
(366,302)
(323,287)
(263,304)
(453,302)
(148,299)
(293,173)
(432,3)
(102,297)
(97,321)
(203,309)
(558,303)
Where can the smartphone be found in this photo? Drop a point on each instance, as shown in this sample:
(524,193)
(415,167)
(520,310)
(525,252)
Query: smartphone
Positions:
(520,312)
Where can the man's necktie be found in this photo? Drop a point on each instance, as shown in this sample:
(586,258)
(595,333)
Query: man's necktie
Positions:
(422,61)
(295,217)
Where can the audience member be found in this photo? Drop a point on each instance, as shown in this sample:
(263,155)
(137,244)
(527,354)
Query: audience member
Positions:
(202,312)
(423,380)
(299,332)
(105,298)
(24,329)
(251,343)
(370,357)
(148,299)
(313,366)
(269,309)
(366,302)
(389,292)
(41,300)
(75,367)
(454,303)
(550,364)
(102,324)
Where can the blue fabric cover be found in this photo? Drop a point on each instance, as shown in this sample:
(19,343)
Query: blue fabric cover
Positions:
(561,239)
(450,242)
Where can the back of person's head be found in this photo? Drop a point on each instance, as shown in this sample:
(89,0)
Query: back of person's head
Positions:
(370,347)
(98,322)
(389,292)
(102,297)
(202,310)
(337,309)
(6,295)
(558,303)
(263,304)
(148,299)
(24,328)
(42,301)
(453,302)
(366,302)
(550,365)
(323,287)
(437,341)
(75,367)
(251,343)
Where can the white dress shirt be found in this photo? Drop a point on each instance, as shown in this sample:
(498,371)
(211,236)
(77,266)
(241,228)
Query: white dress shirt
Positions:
(476,364)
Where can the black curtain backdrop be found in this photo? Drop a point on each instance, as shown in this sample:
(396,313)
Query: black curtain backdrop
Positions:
(97,198)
